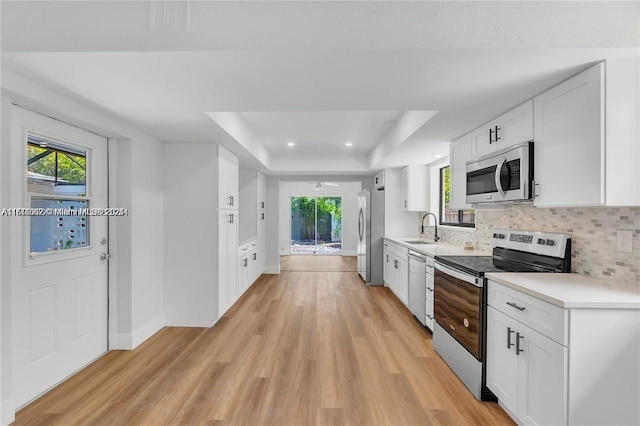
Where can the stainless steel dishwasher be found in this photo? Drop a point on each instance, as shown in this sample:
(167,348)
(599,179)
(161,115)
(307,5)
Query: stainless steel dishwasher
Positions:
(417,286)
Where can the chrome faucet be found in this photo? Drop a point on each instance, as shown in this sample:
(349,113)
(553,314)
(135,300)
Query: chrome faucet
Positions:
(435,220)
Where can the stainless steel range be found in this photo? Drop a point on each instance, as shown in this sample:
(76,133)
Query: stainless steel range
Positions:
(460,295)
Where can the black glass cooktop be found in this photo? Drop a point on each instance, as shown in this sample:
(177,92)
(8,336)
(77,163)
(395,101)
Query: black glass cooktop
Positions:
(479,265)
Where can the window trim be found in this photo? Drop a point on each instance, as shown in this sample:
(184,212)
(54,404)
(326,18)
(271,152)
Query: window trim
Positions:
(441,206)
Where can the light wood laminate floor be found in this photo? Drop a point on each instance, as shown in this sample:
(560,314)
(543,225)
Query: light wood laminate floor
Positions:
(299,348)
(318,263)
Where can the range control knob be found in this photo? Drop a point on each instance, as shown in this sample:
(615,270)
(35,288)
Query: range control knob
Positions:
(550,242)
(501,236)
(541,241)
(495,235)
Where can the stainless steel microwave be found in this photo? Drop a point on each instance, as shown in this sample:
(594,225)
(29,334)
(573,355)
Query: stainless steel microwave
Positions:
(501,176)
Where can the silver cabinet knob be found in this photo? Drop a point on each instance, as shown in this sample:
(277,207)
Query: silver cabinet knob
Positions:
(105,256)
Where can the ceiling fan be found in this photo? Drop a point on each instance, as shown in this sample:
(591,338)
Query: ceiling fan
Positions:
(319,186)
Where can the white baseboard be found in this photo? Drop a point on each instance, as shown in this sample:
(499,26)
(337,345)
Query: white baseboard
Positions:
(7,412)
(272,269)
(130,341)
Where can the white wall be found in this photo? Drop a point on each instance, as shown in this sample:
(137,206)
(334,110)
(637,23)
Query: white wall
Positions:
(349,193)
(190,233)
(147,237)
(136,270)
(6,404)
(272,218)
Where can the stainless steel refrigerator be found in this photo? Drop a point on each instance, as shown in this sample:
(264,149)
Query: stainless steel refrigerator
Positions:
(370,231)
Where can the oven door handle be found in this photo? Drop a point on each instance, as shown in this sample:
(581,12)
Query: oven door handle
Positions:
(497,177)
(459,275)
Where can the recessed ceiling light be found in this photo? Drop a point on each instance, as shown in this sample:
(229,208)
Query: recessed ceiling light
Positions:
(438,155)
(290,143)
(348,144)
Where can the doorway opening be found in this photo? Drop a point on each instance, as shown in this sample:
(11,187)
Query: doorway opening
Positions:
(316,225)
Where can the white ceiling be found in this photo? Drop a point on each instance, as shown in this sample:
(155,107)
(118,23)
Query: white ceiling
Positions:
(320,132)
(317,73)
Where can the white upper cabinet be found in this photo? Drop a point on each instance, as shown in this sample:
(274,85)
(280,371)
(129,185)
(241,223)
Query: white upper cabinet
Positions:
(579,161)
(413,181)
(378,180)
(228,181)
(459,154)
(513,127)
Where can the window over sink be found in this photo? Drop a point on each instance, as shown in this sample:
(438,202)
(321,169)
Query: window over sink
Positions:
(452,217)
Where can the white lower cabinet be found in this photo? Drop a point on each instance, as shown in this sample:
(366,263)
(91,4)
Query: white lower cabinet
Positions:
(254,264)
(387,269)
(402,280)
(396,270)
(249,265)
(550,365)
(526,371)
(542,379)
(243,273)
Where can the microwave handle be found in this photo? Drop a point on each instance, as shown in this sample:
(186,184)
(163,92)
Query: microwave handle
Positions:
(497,177)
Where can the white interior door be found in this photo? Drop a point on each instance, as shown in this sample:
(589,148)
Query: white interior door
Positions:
(59,281)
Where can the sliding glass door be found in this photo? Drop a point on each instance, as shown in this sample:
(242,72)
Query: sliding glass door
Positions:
(316,225)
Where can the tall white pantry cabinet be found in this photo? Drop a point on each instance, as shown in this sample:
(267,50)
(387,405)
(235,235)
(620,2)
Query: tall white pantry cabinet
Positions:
(201,233)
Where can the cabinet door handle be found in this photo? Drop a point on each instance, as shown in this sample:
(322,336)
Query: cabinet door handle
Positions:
(231,218)
(387,258)
(509,331)
(518,337)
(513,305)
(429,316)
(376,181)
(262,216)
(395,263)
(262,204)
(405,204)
(245,263)
(490,136)
(497,137)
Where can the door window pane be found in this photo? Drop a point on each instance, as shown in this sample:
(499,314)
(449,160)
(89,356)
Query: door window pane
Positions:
(55,169)
(65,226)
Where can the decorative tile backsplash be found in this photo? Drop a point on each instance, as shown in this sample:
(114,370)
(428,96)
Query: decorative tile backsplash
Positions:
(593,230)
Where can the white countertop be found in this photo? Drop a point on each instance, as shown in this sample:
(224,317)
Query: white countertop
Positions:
(436,249)
(571,291)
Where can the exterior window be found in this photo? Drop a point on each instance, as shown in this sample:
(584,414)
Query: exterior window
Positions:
(448,216)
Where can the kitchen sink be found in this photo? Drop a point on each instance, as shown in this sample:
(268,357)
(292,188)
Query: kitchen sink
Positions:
(416,242)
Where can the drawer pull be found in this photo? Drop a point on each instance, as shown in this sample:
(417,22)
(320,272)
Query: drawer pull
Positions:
(518,337)
(513,305)
(509,331)
(429,316)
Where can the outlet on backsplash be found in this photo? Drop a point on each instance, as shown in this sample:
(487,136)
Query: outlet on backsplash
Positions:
(625,240)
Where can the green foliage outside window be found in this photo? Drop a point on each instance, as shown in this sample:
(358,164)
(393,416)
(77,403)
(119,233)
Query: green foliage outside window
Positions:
(327,205)
(71,168)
